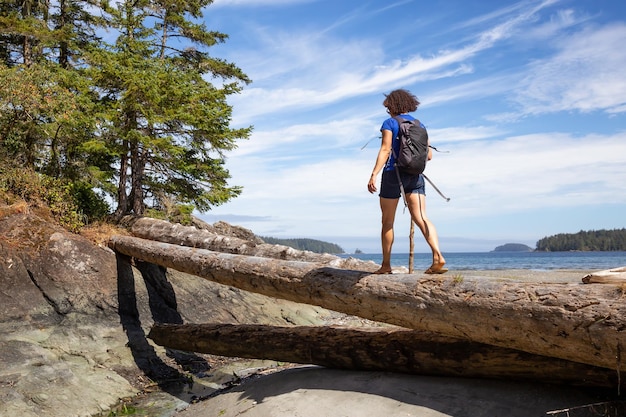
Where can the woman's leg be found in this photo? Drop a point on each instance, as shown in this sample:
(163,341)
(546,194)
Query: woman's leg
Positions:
(388,209)
(417,207)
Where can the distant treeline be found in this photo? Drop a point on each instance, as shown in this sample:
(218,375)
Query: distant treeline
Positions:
(312,245)
(593,240)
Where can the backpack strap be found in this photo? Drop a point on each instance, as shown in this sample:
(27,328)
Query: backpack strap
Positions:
(400,120)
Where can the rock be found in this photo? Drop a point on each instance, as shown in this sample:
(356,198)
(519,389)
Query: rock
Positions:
(74,318)
(314,392)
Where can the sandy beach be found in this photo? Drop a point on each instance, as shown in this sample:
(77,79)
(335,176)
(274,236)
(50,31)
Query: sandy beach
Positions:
(318,392)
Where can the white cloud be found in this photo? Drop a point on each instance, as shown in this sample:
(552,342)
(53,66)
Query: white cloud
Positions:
(586,75)
(460,134)
(254,3)
(313,70)
(316,101)
(532,171)
(483,178)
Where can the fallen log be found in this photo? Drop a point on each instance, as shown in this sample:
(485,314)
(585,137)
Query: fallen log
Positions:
(178,234)
(377,349)
(576,322)
(607,276)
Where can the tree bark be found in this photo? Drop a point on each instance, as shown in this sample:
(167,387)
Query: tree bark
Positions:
(377,349)
(122,195)
(576,322)
(177,234)
(608,276)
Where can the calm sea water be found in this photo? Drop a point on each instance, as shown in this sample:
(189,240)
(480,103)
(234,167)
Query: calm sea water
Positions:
(509,260)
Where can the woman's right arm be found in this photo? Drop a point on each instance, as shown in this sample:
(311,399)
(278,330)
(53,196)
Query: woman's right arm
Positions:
(381,159)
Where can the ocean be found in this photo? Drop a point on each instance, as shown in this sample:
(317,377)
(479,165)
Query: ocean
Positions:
(539,261)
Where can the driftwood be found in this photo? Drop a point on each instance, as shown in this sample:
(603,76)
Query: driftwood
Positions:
(575,322)
(177,234)
(377,349)
(608,276)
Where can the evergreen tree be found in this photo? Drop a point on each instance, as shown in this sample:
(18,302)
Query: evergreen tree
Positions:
(45,105)
(166,125)
(134,117)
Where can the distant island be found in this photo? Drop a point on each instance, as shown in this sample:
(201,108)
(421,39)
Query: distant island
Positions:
(312,245)
(592,240)
(513,247)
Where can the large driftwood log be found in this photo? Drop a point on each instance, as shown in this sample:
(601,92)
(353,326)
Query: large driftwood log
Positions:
(608,276)
(576,322)
(177,234)
(377,349)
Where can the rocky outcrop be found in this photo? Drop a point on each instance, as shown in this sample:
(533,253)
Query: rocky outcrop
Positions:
(74,315)
(74,318)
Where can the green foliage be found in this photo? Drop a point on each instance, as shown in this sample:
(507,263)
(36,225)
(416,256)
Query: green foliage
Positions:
(41,117)
(92,206)
(594,240)
(312,245)
(42,190)
(179,213)
(136,119)
(123,410)
(167,125)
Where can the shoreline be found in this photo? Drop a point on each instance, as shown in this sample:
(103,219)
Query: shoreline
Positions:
(554,276)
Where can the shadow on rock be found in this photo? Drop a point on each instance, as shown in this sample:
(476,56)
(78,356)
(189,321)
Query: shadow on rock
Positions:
(163,308)
(315,391)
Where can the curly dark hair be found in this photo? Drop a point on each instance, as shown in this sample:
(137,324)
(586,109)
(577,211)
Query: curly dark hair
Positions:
(400,101)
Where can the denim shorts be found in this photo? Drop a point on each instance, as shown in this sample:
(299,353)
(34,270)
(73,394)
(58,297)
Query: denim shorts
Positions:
(390,188)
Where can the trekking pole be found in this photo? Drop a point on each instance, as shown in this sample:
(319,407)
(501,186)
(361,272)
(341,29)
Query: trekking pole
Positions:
(412,230)
(411,246)
(436,189)
(406,203)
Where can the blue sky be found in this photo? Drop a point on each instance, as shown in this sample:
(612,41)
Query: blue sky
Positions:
(528,99)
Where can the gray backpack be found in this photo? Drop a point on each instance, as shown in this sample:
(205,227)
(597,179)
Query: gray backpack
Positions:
(413,146)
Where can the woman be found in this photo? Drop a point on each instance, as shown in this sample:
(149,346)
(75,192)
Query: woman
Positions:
(400,103)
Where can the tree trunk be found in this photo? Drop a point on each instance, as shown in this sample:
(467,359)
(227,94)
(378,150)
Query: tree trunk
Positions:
(576,322)
(177,234)
(137,169)
(377,349)
(122,194)
(608,276)
(64,54)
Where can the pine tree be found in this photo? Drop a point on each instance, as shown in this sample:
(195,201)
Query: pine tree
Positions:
(44,105)
(167,126)
(134,117)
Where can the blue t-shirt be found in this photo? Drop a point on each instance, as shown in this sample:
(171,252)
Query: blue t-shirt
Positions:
(392,124)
